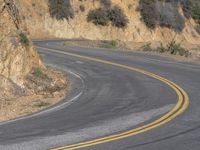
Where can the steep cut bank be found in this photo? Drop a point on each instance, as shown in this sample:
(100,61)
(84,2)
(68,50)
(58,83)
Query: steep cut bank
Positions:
(73,21)
(26,84)
(17,55)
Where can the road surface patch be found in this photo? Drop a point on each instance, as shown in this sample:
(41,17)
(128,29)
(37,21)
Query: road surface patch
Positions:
(179,108)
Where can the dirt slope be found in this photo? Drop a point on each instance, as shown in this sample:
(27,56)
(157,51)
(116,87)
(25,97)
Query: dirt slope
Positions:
(16,60)
(26,85)
(41,24)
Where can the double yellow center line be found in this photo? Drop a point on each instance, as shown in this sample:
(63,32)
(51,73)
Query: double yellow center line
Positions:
(180,107)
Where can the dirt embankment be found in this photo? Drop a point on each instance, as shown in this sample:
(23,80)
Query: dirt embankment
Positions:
(76,26)
(21,19)
(26,84)
(38,18)
(42,89)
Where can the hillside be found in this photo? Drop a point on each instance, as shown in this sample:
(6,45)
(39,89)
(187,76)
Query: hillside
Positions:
(74,22)
(17,55)
(24,80)
(131,23)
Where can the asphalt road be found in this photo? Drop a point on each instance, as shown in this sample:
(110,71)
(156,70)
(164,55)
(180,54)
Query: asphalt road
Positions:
(107,100)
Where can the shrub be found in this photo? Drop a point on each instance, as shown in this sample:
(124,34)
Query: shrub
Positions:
(61,9)
(42,104)
(148,13)
(187,8)
(198,28)
(102,16)
(191,9)
(23,39)
(98,17)
(179,23)
(161,48)
(114,43)
(1,39)
(39,73)
(196,13)
(117,17)
(105,3)
(169,16)
(172,47)
(109,44)
(147,47)
(176,48)
(161,12)
(82,8)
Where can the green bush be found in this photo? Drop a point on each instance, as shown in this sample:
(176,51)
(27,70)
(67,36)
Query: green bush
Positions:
(98,17)
(40,74)
(187,8)
(148,13)
(172,47)
(176,48)
(1,39)
(109,44)
(102,16)
(147,47)
(106,3)
(170,17)
(162,13)
(191,9)
(161,48)
(179,23)
(61,9)
(42,104)
(198,28)
(117,17)
(23,39)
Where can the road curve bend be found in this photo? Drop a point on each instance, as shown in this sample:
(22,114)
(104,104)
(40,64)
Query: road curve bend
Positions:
(120,100)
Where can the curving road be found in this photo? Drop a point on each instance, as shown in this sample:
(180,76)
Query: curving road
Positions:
(113,105)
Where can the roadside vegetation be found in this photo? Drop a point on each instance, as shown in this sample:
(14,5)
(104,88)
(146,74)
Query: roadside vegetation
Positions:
(42,104)
(165,13)
(23,39)
(104,15)
(106,4)
(198,28)
(172,48)
(108,44)
(82,8)
(98,17)
(61,9)
(39,73)
(162,13)
(191,9)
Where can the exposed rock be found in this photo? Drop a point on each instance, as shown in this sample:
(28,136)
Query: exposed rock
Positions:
(38,18)
(16,60)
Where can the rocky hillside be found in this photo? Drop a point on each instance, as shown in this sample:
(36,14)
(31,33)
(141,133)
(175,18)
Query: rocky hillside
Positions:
(140,20)
(25,82)
(26,85)
(17,55)
(123,20)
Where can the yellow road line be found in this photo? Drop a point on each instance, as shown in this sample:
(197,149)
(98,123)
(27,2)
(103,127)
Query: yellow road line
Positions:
(180,107)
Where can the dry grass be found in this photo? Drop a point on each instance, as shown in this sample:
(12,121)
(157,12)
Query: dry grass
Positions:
(43,91)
